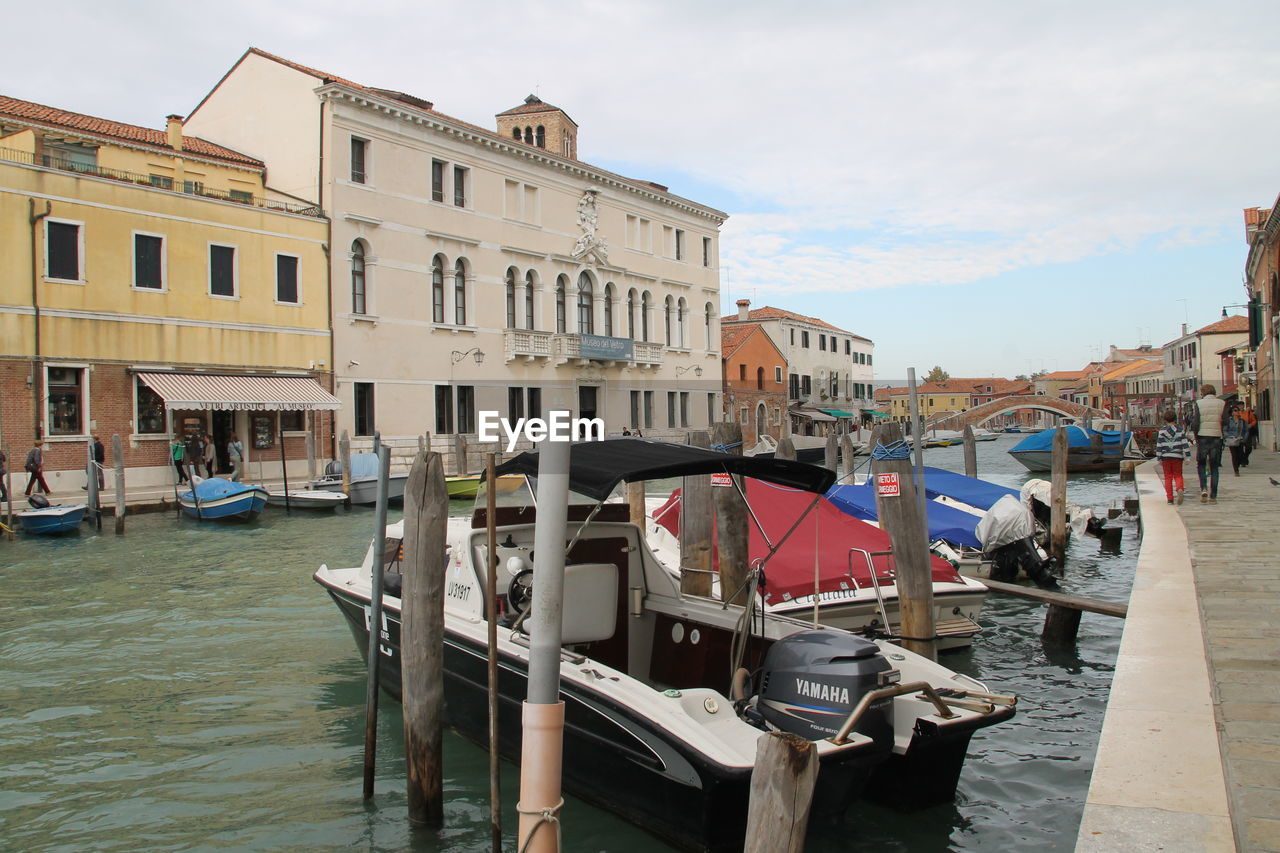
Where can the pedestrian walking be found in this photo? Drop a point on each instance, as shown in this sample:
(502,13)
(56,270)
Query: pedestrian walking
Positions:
(1171,449)
(1235,433)
(235,450)
(177,453)
(1251,439)
(4,478)
(35,469)
(1207,416)
(208,452)
(99,460)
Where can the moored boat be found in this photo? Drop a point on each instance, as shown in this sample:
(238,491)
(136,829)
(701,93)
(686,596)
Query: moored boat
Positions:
(45,519)
(661,727)
(306,498)
(467,486)
(363,484)
(216,499)
(1087,449)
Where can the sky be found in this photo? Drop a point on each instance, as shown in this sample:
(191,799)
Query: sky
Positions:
(992,187)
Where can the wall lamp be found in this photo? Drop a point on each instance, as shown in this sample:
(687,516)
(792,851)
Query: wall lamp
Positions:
(697,370)
(474,352)
(1237,305)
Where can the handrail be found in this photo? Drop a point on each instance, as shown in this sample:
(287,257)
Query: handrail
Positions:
(875,582)
(889,692)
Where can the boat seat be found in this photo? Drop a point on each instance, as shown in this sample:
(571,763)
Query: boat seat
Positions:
(591,602)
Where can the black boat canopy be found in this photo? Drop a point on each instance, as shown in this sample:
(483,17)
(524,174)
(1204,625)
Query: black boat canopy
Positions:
(596,467)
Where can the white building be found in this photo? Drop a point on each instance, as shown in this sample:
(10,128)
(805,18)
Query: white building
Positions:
(476,269)
(829,371)
(1191,360)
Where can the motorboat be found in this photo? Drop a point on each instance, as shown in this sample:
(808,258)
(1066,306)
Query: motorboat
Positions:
(362,486)
(45,519)
(216,499)
(1087,449)
(467,486)
(985,435)
(305,498)
(856,574)
(809,448)
(667,694)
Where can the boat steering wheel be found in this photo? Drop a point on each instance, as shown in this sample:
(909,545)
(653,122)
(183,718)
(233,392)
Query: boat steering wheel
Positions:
(520,590)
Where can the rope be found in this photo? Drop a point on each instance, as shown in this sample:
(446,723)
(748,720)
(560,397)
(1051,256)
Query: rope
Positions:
(545,815)
(895,451)
(725,448)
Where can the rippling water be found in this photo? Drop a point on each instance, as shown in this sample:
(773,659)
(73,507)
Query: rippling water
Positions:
(187,686)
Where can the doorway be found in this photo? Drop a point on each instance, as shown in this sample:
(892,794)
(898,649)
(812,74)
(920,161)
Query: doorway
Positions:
(223,425)
(587,401)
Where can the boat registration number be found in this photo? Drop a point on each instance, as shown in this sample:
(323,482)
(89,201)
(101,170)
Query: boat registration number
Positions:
(887,485)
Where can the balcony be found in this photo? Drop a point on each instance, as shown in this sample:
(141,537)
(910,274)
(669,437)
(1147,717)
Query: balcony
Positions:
(527,344)
(567,347)
(155,182)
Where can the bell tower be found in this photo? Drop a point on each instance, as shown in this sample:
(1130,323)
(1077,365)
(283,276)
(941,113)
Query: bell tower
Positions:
(541,125)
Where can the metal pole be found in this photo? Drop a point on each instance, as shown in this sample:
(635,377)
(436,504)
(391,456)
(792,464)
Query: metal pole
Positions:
(543,713)
(375,622)
(491,614)
(918,445)
(284,472)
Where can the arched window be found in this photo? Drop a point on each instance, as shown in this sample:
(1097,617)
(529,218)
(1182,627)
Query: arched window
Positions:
(460,292)
(759,378)
(645,301)
(762,420)
(359,304)
(437,289)
(561,285)
(529,282)
(608,309)
(631,313)
(586,297)
(540,137)
(682,311)
(515,132)
(666,320)
(707,322)
(511,297)
(528,135)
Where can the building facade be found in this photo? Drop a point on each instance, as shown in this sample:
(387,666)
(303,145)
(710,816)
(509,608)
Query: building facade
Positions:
(754,377)
(1191,360)
(479,270)
(1262,288)
(154,288)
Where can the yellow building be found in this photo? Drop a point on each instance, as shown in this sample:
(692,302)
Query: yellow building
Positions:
(155,285)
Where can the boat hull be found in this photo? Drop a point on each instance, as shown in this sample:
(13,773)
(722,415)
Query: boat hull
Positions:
(661,784)
(955,613)
(364,490)
(243,506)
(52,520)
(307,499)
(1079,459)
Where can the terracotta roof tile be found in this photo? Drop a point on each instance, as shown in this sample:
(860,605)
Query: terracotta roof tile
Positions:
(770,313)
(732,337)
(52,117)
(1058,375)
(534,104)
(1234,323)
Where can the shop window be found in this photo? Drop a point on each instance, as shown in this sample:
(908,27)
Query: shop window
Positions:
(67,400)
(364,408)
(149,410)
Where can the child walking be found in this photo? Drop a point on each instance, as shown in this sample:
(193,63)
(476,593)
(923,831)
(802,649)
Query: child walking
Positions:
(1171,449)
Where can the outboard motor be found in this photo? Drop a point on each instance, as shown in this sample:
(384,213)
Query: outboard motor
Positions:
(811,680)
(1021,554)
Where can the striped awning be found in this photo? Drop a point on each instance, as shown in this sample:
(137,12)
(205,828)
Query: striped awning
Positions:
(239,393)
(812,414)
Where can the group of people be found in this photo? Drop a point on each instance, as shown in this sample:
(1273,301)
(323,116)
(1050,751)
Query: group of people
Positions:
(198,450)
(34,466)
(1213,425)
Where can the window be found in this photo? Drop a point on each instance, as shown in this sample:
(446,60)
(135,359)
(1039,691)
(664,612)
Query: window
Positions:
(358,150)
(193,187)
(793,387)
(358,301)
(793,337)
(822,342)
(535,402)
(242,196)
(560,288)
(706,320)
(437,289)
(777,374)
(706,251)
(682,311)
(148,261)
(608,309)
(868,358)
(67,400)
(64,250)
(444,410)
(648,409)
(164,182)
(437,180)
(635,409)
(631,316)
(528,299)
(515,404)
(847,347)
(684,408)
(742,373)
(293,421)
(222,270)
(711,408)
(671,409)
(666,319)
(148,410)
(806,385)
(759,378)
(511,297)
(364,408)
(540,137)
(466,408)
(679,245)
(586,324)
(460,292)
(287,279)
(644,316)
(804,339)
(459,186)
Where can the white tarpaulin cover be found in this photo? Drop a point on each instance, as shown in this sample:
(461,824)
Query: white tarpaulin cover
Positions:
(1007,521)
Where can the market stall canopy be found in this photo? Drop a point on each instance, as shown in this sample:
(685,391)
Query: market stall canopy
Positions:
(225,391)
(874,413)
(837,413)
(812,414)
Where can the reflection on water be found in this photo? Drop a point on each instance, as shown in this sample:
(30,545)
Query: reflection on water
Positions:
(188,685)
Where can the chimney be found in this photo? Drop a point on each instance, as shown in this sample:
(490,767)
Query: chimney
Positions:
(174,128)
(1184,330)
(744,309)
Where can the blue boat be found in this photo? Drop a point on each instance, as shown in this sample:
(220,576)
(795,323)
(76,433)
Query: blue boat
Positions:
(979,494)
(945,522)
(1087,449)
(47,520)
(217,499)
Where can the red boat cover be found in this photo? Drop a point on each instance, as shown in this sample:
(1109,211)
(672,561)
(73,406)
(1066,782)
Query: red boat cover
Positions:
(825,529)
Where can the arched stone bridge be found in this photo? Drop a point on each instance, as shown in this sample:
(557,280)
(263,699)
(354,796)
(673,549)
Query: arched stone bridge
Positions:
(985,412)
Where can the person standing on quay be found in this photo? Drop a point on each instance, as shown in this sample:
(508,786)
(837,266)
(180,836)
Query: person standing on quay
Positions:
(1251,438)
(176,453)
(236,451)
(1206,423)
(1235,436)
(1171,449)
(35,469)
(207,453)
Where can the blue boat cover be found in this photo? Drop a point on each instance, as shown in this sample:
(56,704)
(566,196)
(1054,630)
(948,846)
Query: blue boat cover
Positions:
(216,487)
(1077,436)
(945,522)
(363,465)
(974,492)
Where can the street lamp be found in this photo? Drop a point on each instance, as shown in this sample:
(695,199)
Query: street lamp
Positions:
(474,352)
(697,370)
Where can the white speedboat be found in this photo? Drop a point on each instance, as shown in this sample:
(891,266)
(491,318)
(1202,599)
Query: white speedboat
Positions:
(661,718)
(363,483)
(305,498)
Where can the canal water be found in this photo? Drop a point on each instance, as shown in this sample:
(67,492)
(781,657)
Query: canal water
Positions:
(187,686)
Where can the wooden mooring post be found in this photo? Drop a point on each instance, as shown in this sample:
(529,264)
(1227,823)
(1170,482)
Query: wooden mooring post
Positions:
(848,457)
(460,454)
(697,520)
(731,523)
(344,458)
(426,512)
(117,460)
(970,452)
(9,519)
(91,488)
(831,451)
(782,783)
(1058,498)
(786,448)
(1062,621)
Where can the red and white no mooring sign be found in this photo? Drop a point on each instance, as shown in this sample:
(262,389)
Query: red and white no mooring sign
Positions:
(887,485)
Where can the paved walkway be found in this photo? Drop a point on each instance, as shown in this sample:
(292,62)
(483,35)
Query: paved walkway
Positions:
(1189,758)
